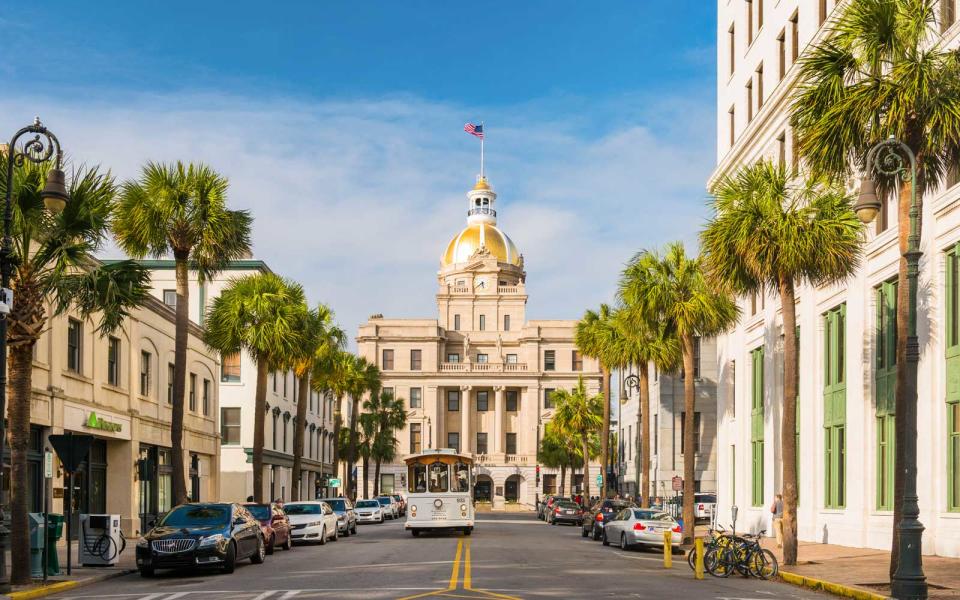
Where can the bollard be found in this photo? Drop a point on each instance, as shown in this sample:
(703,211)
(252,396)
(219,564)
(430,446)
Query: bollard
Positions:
(668,549)
(698,570)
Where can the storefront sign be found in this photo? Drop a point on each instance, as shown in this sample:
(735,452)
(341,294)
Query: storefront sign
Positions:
(95,422)
(334,482)
(48,465)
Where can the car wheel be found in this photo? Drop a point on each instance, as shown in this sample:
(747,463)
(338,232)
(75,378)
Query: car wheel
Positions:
(467,530)
(596,534)
(353,530)
(554,522)
(230,561)
(288,545)
(260,554)
(605,541)
(323,535)
(623,542)
(270,546)
(381,520)
(336,533)
(346,532)
(146,572)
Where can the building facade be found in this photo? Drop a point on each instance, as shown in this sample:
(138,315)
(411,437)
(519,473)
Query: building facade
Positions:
(479,377)
(237,388)
(846,359)
(114,388)
(667,427)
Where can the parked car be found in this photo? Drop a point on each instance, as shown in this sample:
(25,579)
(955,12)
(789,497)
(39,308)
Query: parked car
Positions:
(198,535)
(312,521)
(632,526)
(704,505)
(369,511)
(273,524)
(548,506)
(346,517)
(389,506)
(601,512)
(566,512)
(401,503)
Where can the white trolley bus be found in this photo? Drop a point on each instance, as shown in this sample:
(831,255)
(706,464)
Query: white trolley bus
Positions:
(439,492)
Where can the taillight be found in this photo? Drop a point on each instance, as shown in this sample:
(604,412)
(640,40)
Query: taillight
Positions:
(556,511)
(676,529)
(701,507)
(600,517)
(639,526)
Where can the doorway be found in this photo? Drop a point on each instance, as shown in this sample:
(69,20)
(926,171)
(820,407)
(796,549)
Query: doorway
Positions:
(483,489)
(511,491)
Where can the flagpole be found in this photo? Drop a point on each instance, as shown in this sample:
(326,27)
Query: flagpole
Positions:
(481,150)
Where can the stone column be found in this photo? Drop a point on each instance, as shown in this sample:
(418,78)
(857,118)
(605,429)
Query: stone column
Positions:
(498,425)
(435,436)
(466,403)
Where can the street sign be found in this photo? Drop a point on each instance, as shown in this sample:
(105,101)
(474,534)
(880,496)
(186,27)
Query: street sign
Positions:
(677,483)
(599,479)
(334,482)
(72,449)
(48,464)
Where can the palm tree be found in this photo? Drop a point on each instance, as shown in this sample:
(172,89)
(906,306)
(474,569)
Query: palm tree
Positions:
(594,336)
(322,339)
(261,314)
(339,371)
(672,289)
(554,453)
(363,377)
(581,415)
(53,261)
(768,233)
(390,415)
(883,72)
(181,210)
(365,440)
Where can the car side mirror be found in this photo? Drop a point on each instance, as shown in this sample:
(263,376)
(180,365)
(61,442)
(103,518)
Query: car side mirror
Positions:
(152,523)
(239,521)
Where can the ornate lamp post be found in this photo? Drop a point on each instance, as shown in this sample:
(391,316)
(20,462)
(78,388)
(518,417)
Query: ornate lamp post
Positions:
(41,148)
(888,158)
(632,382)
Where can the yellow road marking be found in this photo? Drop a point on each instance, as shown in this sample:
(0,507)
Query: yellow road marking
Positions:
(456,565)
(462,557)
(467,582)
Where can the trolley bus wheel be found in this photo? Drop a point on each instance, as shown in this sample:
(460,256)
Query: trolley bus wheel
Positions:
(467,530)
(415,532)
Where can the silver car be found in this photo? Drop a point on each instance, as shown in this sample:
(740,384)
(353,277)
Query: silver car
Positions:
(369,511)
(641,526)
(390,508)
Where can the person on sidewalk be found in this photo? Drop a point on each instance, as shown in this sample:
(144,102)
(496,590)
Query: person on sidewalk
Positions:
(777,509)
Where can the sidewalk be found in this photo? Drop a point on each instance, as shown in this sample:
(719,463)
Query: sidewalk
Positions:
(79,575)
(866,569)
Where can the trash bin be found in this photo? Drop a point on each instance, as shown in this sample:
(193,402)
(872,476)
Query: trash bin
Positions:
(37,532)
(54,533)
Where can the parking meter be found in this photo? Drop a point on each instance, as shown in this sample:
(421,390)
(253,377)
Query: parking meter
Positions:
(733,514)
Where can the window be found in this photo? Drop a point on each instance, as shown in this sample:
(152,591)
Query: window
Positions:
(453,357)
(482,359)
(759,75)
(794,37)
(193,392)
(732,43)
(416,360)
(696,432)
(286,417)
(948,14)
(229,426)
(749,7)
(511,359)
(733,389)
(512,400)
(456,322)
(416,431)
(756,427)
(749,94)
(759,4)
(511,443)
(782,148)
(171,374)
(733,475)
(206,397)
(230,370)
(822,12)
(483,322)
(387,362)
(416,397)
(483,401)
(732,124)
(577,361)
(506,322)
(549,360)
(145,361)
(74,345)
(387,483)
(885,378)
(453,440)
(835,401)
(453,400)
(481,443)
(953,450)
(952,343)
(276,419)
(170,298)
(548,398)
(113,360)
(285,377)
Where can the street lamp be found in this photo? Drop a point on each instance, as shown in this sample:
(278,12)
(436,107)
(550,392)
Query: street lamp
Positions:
(632,382)
(888,158)
(41,148)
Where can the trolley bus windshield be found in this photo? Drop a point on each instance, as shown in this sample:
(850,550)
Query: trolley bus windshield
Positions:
(439,477)
(439,474)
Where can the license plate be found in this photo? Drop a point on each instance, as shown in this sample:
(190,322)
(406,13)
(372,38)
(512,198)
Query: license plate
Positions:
(653,529)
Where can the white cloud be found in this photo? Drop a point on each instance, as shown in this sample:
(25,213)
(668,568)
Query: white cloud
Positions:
(357,199)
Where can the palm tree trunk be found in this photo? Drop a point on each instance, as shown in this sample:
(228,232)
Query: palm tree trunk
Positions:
(563,478)
(644,427)
(19,390)
(376,478)
(352,458)
(337,424)
(689,456)
(900,387)
(586,465)
(299,431)
(605,433)
(179,482)
(788,420)
(259,418)
(366,476)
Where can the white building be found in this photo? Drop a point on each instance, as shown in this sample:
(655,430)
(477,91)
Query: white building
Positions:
(844,428)
(237,387)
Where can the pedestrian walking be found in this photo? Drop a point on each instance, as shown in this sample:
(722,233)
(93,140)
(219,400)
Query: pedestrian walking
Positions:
(777,510)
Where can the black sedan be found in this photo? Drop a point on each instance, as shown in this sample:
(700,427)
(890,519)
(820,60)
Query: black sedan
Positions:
(201,535)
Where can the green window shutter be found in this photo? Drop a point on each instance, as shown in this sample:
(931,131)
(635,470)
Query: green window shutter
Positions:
(953,378)
(885,379)
(953,459)
(756,426)
(796,418)
(835,406)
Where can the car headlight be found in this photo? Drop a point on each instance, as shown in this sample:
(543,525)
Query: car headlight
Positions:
(143,543)
(341,517)
(315,524)
(463,507)
(413,507)
(211,540)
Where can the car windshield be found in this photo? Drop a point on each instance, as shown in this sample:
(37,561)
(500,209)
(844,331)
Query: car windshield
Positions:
(566,504)
(706,498)
(368,504)
(337,505)
(397,497)
(651,515)
(384,501)
(260,512)
(613,506)
(197,516)
(303,509)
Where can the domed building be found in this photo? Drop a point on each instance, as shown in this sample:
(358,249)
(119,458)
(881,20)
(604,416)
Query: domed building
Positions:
(479,376)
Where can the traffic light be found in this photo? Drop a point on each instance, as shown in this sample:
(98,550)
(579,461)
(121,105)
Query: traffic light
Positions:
(538,474)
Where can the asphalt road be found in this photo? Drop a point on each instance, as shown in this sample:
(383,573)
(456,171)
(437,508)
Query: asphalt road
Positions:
(509,556)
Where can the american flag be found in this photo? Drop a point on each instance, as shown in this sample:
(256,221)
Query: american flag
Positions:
(472,129)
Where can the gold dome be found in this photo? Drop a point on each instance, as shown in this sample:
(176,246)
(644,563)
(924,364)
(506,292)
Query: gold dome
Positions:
(482,184)
(478,235)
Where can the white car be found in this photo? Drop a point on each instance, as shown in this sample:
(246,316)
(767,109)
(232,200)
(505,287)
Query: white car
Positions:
(390,508)
(369,511)
(704,505)
(641,526)
(312,521)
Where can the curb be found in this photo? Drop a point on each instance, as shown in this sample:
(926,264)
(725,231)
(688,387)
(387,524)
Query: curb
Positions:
(829,587)
(62,586)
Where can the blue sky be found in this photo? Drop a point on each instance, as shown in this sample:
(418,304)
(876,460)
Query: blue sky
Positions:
(340,126)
